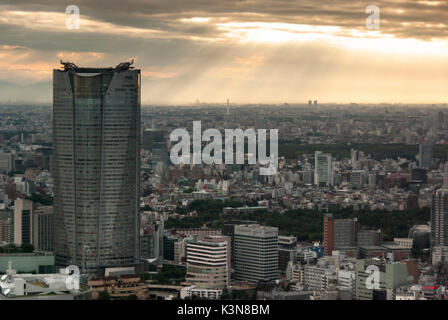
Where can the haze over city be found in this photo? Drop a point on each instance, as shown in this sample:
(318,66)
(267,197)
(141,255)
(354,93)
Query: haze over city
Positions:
(248,51)
(247,154)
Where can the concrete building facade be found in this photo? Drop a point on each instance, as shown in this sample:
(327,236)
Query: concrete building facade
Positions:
(256,253)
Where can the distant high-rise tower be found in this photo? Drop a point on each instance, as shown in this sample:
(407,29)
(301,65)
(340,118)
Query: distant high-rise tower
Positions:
(155,141)
(439,218)
(425,156)
(323,168)
(159,152)
(96,132)
(439,214)
(228,106)
(310,103)
(355,159)
(315,102)
(445,175)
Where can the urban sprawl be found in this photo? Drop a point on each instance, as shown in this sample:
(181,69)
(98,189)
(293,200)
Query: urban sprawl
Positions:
(89,183)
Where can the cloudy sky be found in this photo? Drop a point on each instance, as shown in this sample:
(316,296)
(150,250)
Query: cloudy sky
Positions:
(250,51)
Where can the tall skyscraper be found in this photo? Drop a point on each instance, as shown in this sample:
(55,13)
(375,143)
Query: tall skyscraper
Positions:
(256,253)
(445,175)
(96,132)
(439,218)
(323,173)
(439,214)
(425,156)
(6,226)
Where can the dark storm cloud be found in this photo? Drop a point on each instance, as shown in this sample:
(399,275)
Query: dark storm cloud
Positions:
(183,59)
(165,15)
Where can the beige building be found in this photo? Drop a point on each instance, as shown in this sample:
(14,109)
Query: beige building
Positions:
(5,230)
(200,232)
(23,213)
(33,224)
(208,262)
(404,242)
(180,251)
(439,254)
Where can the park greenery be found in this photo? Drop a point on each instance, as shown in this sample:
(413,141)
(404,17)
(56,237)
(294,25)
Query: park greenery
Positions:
(167,275)
(103,295)
(306,225)
(42,199)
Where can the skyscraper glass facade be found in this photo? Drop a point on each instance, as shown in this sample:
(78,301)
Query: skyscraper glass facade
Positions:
(96,130)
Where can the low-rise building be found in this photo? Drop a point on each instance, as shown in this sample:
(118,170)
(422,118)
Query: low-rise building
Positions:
(439,254)
(388,278)
(55,286)
(204,293)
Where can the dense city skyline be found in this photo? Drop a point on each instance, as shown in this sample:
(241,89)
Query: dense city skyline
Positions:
(248,51)
(358,187)
(241,151)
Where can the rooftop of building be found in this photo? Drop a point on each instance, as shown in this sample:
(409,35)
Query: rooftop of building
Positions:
(256,226)
(208,242)
(51,284)
(70,66)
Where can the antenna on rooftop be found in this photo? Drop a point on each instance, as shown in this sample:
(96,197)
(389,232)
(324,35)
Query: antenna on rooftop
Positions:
(68,65)
(123,66)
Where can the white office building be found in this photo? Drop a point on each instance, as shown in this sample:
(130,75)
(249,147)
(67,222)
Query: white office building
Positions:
(208,262)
